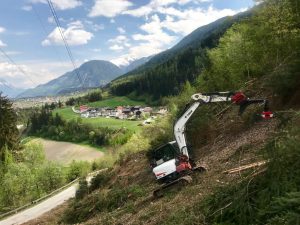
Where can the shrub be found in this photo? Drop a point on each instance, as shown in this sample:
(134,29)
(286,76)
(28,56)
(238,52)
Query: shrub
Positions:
(78,169)
(83,188)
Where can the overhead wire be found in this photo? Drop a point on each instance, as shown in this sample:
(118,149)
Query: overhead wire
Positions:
(44,29)
(52,9)
(16,65)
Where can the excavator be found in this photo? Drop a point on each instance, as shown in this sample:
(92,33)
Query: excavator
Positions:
(171,162)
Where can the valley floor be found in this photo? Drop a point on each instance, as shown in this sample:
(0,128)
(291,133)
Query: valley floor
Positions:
(66,152)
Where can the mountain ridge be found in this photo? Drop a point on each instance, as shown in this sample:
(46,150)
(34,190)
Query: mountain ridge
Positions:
(93,73)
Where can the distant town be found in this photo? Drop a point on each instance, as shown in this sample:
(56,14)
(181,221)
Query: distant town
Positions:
(121,112)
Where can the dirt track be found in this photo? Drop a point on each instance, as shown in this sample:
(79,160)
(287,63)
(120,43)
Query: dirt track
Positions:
(66,152)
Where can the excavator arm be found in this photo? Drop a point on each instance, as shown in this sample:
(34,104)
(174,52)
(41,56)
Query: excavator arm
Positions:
(176,168)
(198,99)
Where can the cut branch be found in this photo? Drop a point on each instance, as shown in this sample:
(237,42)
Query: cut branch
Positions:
(245,167)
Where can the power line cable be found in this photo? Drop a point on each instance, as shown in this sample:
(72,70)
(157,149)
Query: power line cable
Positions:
(45,30)
(16,65)
(65,41)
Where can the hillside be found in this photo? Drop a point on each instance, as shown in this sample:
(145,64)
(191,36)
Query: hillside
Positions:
(94,73)
(252,164)
(125,193)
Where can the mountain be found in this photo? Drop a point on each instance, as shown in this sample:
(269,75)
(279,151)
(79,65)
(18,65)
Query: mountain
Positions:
(135,64)
(93,73)
(8,89)
(193,40)
(166,72)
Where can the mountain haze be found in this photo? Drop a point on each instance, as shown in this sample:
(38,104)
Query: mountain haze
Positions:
(136,64)
(8,89)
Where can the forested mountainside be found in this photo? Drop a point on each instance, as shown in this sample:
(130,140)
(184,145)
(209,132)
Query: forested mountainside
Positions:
(165,73)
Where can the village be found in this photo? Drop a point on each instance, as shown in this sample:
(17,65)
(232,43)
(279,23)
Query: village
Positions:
(148,114)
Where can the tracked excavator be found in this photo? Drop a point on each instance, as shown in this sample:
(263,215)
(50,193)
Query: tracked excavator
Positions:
(171,163)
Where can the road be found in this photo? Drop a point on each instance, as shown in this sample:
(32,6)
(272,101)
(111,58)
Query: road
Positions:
(41,208)
(47,205)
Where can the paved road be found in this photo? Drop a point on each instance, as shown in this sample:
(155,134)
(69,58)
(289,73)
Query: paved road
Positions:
(41,208)
(45,206)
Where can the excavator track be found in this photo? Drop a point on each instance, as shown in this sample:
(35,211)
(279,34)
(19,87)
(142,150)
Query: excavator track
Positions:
(184,180)
(157,193)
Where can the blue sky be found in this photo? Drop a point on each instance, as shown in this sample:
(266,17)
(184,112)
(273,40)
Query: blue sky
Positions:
(114,30)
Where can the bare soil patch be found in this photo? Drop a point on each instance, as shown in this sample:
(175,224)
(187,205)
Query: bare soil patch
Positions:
(66,152)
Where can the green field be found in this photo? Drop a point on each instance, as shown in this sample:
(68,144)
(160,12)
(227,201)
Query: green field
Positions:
(116,101)
(68,114)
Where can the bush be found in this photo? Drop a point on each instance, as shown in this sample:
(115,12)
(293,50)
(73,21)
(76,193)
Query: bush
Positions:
(78,169)
(83,189)
(100,180)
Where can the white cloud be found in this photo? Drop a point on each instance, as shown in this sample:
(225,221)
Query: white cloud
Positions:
(152,7)
(2,44)
(94,26)
(141,11)
(121,30)
(184,22)
(12,74)
(2,29)
(119,43)
(61,4)
(74,34)
(153,41)
(37,71)
(122,60)
(155,6)
(116,47)
(109,8)
(112,21)
(119,39)
(27,8)
(155,36)
(181,21)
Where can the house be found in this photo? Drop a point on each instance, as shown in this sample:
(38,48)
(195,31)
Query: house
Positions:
(83,108)
(162,111)
(148,110)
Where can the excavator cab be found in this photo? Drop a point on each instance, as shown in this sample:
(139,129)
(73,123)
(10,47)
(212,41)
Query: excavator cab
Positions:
(163,160)
(165,153)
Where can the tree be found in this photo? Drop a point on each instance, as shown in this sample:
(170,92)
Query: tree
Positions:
(8,130)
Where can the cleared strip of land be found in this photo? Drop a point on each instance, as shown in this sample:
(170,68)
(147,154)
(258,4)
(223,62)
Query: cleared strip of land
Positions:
(66,152)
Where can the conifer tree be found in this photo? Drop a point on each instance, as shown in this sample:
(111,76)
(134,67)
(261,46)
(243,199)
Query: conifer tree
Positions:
(8,129)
